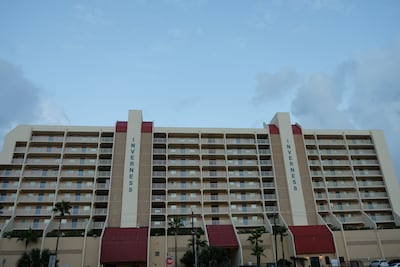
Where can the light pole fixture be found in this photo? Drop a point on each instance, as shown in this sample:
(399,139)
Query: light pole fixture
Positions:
(194,243)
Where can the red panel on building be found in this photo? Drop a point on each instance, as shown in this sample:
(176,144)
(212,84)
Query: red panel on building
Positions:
(121,127)
(296,129)
(147,127)
(124,245)
(273,129)
(312,239)
(222,236)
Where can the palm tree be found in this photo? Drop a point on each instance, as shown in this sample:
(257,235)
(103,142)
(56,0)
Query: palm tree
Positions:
(34,258)
(28,236)
(175,224)
(255,240)
(62,208)
(282,231)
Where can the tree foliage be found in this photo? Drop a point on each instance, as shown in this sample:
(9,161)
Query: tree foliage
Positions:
(28,237)
(175,224)
(34,258)
(255,240)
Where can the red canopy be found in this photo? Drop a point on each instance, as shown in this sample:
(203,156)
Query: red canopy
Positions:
(312,239)
(222,236)
(124,245)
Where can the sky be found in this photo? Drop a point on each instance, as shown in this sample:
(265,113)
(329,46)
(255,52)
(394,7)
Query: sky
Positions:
(333,64)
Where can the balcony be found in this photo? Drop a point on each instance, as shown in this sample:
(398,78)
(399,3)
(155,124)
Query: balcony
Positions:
(372,195)
(212,152)
(333,152)
(370,184)
(41,173)
(246,210)
(159,174)
(45,150)
(101,198)
(47,139)
(158,186)
(359,142)
(27,225)
(239,163)
(245,151)
(102,186)
(211,141)
(243,174)
(240,198)
(239,186)
(106,150)
(158,140)
(82,139)
(340,184)
(267,173)
(345,207)
(268,185)
(6,198)
(376,207)
(332,142)
(40,186)
(213,162)
(158,198)
(216,210)
(365,162)
(36,198)
(158,211)
(382,218)
(240,141)
(98,225)
(159,162)
(215,174)
(343,196)
(368,172)
(185,186)
(158,224)
(159,150)
(77,173)
(173,140)
(271,209)
(79,162)
(335,162)
(180,211)
(33,212)
(269,196)
(80,150)
(10,173)
(217,222)
(215,186)
(243,223)
(11,186)
(107,139)
(185,151)
(73,225)
(338,173)
(181,198)
(362,152)
(216,198)
(185,162)
(100,212)
(104,174)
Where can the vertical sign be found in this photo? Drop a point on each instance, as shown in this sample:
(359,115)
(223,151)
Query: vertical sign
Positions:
(131,170)
(296,197)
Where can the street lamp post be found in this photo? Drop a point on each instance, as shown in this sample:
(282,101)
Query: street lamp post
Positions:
(194,243)
(275,241)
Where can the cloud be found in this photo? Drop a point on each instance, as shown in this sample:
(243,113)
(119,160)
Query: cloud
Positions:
(22,102)
(362,93)
(272,86)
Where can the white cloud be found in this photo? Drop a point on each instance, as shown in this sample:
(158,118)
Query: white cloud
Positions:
(22,102)
(362,93)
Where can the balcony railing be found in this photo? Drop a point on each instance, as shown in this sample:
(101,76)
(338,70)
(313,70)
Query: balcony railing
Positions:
(248,223)
(223,198)
(215,186)
(77,139)
(47,139)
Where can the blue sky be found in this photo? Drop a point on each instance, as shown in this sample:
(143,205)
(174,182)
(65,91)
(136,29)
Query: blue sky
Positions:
(331,64)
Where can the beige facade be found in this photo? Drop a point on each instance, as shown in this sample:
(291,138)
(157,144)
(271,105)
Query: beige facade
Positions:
(133,176)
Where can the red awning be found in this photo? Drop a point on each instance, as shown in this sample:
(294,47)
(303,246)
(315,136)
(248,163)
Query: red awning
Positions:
(312,239)
(124,245)
(222,236)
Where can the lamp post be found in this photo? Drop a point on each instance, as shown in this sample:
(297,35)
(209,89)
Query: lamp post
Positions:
(274,231)
(194,243)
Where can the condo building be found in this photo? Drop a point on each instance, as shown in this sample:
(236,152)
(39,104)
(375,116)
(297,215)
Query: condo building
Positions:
(335,191)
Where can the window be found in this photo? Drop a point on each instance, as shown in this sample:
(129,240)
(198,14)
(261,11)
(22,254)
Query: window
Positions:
(157,253)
